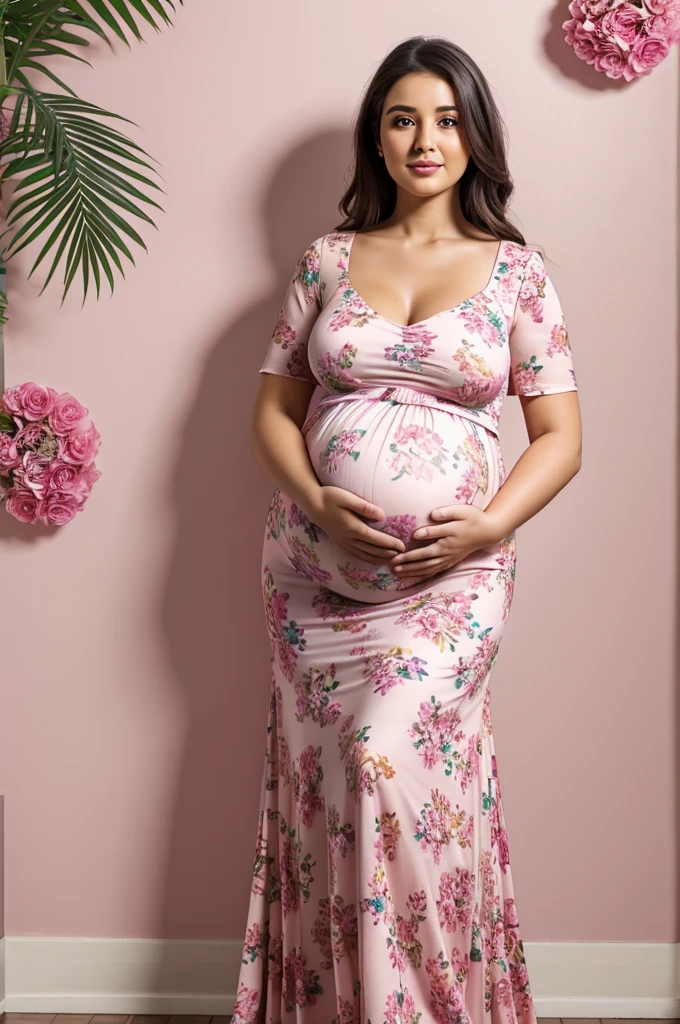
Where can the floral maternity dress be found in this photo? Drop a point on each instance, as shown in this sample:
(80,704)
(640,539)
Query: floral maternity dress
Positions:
(381,887)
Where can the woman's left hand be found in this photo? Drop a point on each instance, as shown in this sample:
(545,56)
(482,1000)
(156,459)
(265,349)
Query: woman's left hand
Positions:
(467,529)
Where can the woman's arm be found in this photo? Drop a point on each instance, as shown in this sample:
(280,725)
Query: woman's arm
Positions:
(280,409)
(545,467)
(287,384)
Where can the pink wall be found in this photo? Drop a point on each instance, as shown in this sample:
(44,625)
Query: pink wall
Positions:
(135,662)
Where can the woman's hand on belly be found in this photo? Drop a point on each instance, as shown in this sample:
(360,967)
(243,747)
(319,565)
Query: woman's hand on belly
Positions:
(338,514)
(442,545)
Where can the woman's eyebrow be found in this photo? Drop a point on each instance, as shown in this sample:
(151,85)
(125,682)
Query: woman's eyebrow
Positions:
(412,110)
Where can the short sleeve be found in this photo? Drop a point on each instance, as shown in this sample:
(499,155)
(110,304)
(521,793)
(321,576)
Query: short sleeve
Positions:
(287,352)
(541,360)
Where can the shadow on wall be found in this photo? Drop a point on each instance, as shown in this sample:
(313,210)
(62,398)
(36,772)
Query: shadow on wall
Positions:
(213,615)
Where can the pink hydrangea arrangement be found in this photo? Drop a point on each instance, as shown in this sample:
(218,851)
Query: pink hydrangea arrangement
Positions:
(623,38)
(47,450)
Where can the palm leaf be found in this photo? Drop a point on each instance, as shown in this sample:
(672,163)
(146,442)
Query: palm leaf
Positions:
(75,179)
(75,174)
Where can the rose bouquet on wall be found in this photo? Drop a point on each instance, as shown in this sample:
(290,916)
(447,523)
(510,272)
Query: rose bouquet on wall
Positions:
(47,449)
(623,38)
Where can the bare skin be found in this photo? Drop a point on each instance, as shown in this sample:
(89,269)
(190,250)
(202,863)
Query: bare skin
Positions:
(430,259)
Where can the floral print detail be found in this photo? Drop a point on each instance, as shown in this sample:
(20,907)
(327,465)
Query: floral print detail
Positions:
(481,319)
(304,286)
(307,777)
(442,618)
(475,476)
(313,700)
(413,347)
(370,579)
(301,985)
(300,535)
(384,670)
(344,613)
(417,452)
(559,341)
(436,731)
(537,302)
(363,767)
(381,848)
(341,446)
(440,824)
(532,293)
(307,273)
(482,385)
(400,526)
(341,838)
(448,976)
(286,636)
(333,369)
(525,375)
(455,903)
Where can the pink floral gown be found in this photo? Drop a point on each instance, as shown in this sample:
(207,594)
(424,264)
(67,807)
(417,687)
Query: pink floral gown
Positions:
(381,888)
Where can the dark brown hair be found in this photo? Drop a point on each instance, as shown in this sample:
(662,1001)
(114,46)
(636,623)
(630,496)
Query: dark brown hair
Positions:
(486,185)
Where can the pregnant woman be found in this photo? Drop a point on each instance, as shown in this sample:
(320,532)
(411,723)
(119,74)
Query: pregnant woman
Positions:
(381,889)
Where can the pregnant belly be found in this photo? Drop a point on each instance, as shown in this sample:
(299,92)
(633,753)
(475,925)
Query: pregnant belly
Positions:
(406,458)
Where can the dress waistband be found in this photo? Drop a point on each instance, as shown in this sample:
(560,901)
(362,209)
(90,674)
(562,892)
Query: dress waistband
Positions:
(404,395)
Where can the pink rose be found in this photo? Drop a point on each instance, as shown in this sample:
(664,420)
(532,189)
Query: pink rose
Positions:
(659,6)
(21,504)
(84,483)
(72,479)
(665,25)
(67,413)
(621,25)
(62,475)
(32,473)
(9,452)
(11,401)
(37,401)
(81,445)
(582,42)
(611,60)
(647,53)
(58,508)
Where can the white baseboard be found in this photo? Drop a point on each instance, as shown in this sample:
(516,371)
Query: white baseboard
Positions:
(2,975)
(88,975)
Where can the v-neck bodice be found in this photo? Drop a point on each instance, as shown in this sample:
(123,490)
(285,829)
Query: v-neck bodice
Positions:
(509,338)
(426,320)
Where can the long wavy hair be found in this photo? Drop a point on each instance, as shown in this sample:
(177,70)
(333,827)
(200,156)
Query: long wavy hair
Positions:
(485,186)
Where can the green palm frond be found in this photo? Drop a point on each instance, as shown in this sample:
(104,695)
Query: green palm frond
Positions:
(75,183)
(75,179)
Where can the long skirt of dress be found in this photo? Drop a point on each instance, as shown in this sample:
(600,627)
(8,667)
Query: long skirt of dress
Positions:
(381,888)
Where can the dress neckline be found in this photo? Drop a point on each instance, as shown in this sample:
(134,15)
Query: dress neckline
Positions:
(419,323)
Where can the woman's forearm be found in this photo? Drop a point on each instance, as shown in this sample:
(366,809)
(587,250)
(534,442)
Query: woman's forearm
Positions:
(543,469)
(281,450)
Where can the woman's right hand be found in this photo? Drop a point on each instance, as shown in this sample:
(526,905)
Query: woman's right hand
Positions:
(337,512)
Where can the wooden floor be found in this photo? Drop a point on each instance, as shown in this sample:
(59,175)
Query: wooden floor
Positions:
(144,1018)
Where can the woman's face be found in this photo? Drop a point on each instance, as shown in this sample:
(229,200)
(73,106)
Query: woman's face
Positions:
(420,122)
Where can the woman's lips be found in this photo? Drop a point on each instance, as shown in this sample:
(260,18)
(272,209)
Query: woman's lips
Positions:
(429,169)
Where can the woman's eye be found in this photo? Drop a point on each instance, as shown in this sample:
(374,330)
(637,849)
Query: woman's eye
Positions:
(398,122)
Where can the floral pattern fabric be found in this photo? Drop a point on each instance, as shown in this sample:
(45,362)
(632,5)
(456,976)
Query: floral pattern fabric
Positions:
(381,889)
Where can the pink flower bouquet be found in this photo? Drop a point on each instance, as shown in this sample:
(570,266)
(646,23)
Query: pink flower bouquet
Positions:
(47,450)
(623,38)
